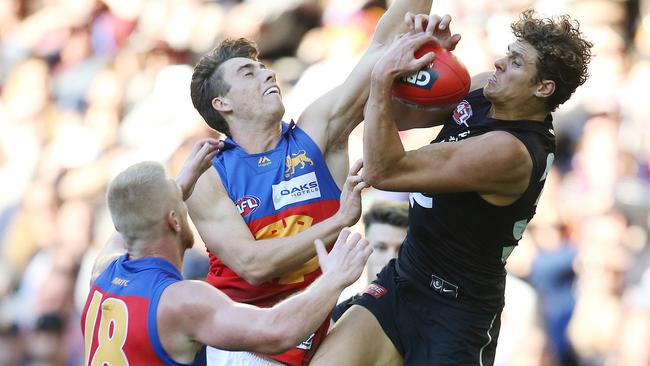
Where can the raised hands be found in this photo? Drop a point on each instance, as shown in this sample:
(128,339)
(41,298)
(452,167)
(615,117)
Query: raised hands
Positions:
(345,262)
(400,58)
(199,160)
(350,201)
(434,25)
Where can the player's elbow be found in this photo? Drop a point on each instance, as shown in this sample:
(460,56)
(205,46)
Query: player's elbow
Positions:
(253,278)
(250,274)
(249,265)
(255,270)
(375,178)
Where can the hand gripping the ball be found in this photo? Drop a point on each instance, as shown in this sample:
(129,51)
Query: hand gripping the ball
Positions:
(426,75)
(436,26)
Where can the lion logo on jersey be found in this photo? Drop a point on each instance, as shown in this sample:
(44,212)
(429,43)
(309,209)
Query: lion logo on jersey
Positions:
(462,113)
(293,160)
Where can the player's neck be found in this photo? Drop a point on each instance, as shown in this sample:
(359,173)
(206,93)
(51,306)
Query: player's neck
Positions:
(505,113)
(255,137)
(161,248)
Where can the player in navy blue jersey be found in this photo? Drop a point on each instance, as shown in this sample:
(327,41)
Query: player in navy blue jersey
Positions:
(141,312)
(476,187)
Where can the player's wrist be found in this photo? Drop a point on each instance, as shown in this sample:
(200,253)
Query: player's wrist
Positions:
(339,221)
(333,281)
(382,78)
(185,184)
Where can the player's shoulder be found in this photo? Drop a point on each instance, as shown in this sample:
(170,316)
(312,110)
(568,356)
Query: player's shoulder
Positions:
(180,297)
(506,145)
(503,139)
(208,187)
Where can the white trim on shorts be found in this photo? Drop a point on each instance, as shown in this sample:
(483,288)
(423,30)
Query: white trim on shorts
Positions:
(480,353)
(219,357)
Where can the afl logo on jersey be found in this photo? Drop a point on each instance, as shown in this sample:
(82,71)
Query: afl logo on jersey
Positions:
(462,113)
(247,204)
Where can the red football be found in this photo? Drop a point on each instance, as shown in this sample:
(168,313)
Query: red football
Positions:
(445,82)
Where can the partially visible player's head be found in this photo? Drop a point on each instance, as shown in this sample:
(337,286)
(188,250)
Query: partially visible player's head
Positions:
(547,63)
(385,229)
(147,206)
(230,80)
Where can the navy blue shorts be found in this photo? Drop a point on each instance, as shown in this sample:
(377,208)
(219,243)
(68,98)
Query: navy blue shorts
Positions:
(429,329)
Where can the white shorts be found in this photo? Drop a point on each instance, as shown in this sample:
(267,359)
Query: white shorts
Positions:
(218,357)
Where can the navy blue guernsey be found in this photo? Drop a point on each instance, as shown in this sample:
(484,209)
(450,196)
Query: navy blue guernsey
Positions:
(457,243)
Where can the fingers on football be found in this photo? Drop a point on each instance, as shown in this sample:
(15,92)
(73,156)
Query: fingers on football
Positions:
(409,19)
(454,41)
(433,22)
(420,23)
(444,22)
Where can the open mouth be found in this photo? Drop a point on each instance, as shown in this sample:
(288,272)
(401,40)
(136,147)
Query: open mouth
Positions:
(272,90)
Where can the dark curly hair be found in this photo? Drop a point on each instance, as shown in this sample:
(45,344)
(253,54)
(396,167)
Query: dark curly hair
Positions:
(207,79)
(564,53)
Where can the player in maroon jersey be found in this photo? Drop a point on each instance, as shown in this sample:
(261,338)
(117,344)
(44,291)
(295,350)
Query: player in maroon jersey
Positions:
(139,310)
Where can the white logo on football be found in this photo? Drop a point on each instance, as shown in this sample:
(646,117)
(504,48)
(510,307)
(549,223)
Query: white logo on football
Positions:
(298,189)
(420,78)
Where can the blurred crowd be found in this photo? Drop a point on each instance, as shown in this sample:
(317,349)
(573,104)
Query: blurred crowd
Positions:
(89,87)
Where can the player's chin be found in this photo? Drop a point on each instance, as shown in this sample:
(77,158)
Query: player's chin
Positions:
(276,109)
(489,92)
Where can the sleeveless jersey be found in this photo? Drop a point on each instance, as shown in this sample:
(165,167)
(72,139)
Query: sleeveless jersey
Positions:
(119,318)
(278,193)
(457,243)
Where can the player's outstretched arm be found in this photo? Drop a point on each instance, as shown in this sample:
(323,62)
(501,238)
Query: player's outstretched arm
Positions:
(226,235)
(205,315)
(115,247)
(332,117)
(493,163)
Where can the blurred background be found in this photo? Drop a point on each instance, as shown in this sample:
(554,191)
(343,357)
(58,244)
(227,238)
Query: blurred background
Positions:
(89,87)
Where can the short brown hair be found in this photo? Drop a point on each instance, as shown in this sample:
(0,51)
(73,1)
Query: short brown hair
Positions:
(563,52)
(390,213)
(207,81)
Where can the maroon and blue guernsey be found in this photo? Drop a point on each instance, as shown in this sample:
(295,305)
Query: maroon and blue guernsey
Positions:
(278,193)
(119,319)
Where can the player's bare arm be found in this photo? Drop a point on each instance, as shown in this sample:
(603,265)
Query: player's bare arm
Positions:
(226,235)
(331,118)
(218,321)
(496,163)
